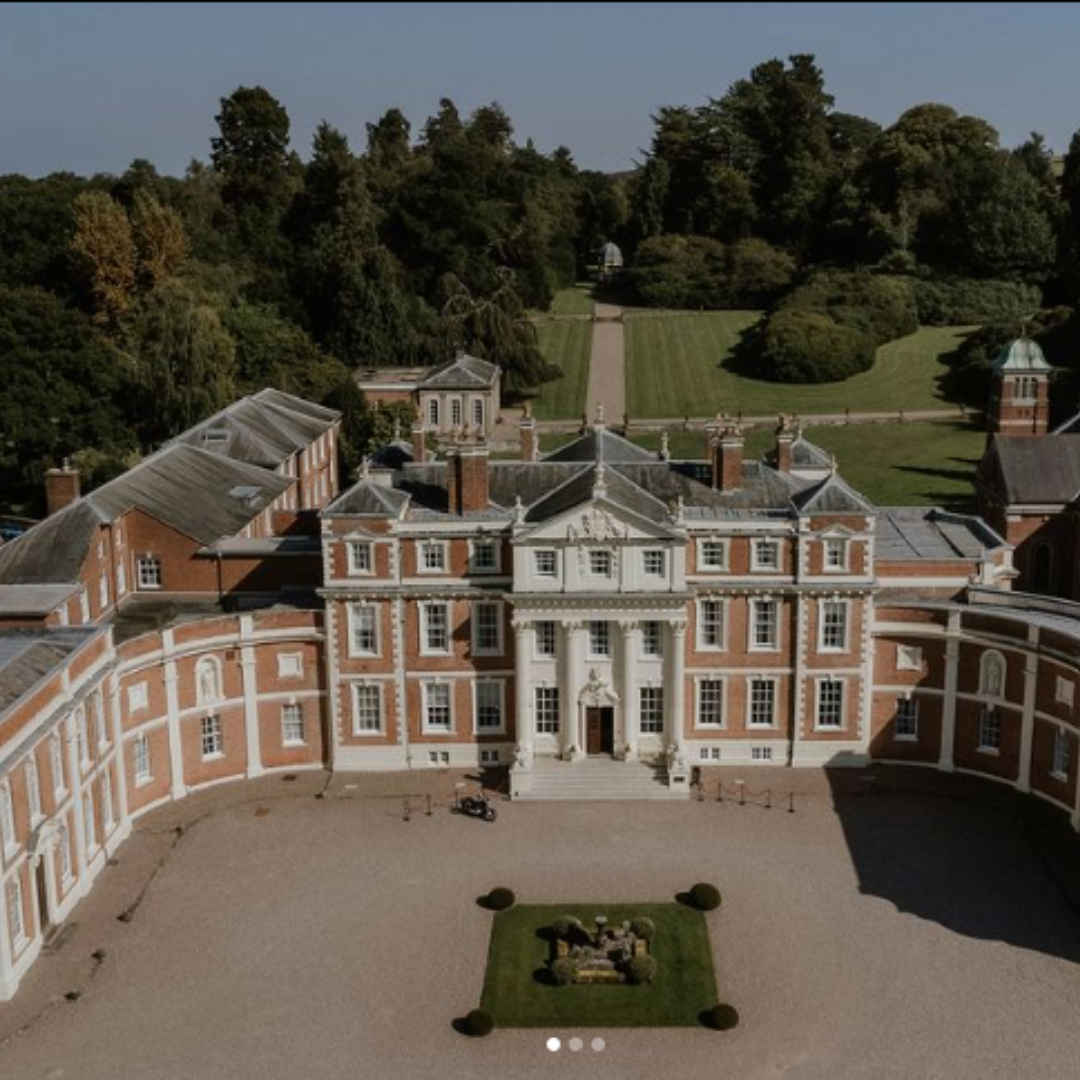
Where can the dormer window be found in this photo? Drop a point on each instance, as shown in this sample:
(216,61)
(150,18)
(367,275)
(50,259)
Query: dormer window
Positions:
(836,554)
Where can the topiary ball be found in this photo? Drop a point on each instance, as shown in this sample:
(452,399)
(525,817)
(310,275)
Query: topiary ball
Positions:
(564,971)
(479,1023)
(722,1017)
(500,899)
(643,927)
(705,897)
(641,970)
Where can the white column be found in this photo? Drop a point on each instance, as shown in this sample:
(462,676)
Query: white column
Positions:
(1027,720)
(524,723)
(71,741)
(569,735)
(172,712)
(123,811)
(249,680)
(7,978)
(948,705)
(676,710)
(631,633)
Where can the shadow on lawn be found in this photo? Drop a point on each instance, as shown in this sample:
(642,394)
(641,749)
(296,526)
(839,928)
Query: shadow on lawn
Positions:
(965,853)
(961,502)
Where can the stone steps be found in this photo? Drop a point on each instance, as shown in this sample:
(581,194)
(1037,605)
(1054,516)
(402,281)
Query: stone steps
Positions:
(597,781)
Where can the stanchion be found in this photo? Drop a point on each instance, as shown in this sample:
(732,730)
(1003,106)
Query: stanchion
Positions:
(768,799)
(791,802)
(742,792)
(407,809)
(428,811)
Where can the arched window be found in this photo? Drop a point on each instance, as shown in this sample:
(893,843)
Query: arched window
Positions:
(992,674)
(1042,568)
(207,681)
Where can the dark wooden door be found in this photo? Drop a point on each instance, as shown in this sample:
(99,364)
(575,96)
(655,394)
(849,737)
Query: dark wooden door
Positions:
(607,731)
(44,922)
(593,731)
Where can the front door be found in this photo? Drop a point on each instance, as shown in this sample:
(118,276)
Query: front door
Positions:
(599,731)
(44,922)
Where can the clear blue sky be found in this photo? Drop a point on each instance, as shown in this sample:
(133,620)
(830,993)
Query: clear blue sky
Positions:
(89,87)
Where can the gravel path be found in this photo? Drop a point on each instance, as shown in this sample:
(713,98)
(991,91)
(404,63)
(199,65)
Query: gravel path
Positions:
(607,365)
(898,936)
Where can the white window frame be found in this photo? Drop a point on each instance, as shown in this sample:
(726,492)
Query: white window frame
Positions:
(56,765)
(484,545)
(108,817)
(426,648)
(602,555)
(651,710)
(910,706)
(140,760)
(211,737)
(831,546)
(703,545)
(121,577)
(542,554)
(148,574)
(701,683)
(16,914)
(826,606)
(84,606)
(372,611)
(457,412)
(658,558)
(292,715)
(8,840)
(138,697)
(1062,755)
(427,687)
(479,649)
(538,639)
(359,709)
(761,753)
(598,636)
(89,820)
(751,685)
(433,411)
(909,658)
(819,695)
(1064,691)
(82,734)
(758,547)
(291,665)
(478,413)
(652,639)
(987,661)
(33,790)
(547,710)
(360,558)
(703,644)
(755,606)
(431,557)
(488,686)
(63,843)
(989,725)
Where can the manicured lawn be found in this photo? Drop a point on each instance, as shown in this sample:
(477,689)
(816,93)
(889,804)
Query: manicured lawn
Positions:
(683,365)
(927,463)
(569,345)
(575,301)
(517,994)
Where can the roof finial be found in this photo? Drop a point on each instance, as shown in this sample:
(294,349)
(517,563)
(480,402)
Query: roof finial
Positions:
(833,467)
(365,467)
(600,481)
(519,510)
(598,424)
(665,452)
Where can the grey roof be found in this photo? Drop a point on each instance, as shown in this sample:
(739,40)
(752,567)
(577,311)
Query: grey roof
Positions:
(1024,355)
(910,532)
(831,496)
(464,372)
(28,656)
(199,494)
(616,489)
(601,445)
(610,253)
(804,455)
(369,499)
(266,428)
(393,455)
(1033,469)
(1068,427)
(33,600)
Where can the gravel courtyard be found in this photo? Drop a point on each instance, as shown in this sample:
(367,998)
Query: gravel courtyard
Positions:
(282,936)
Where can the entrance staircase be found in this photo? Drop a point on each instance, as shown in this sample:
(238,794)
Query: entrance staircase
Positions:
(598,779)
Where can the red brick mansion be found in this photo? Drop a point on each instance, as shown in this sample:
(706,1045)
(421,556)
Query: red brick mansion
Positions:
(602,615)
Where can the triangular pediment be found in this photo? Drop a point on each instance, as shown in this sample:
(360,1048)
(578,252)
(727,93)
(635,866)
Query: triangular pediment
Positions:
(599,520)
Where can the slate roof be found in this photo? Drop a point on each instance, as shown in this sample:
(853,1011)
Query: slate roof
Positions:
(616,487)
(198,493)
(804,455)
(601,445)
(28,656)
(464,372)
(265,429)
(33,600)
(910,532)
(1035,470)
(369,499)
(831,496)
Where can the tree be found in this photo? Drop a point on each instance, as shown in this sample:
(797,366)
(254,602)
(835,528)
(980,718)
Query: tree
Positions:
(103,240)
(160,240)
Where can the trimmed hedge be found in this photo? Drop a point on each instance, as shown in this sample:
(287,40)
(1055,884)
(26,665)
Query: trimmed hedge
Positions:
(479,1024)
(643,927)
(705,897)
(499,899)
(952,301)
(722,1017)
(564,971)
(641,970)
(810,347)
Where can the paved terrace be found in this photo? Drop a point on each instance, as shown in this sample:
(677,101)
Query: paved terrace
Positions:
(275,934)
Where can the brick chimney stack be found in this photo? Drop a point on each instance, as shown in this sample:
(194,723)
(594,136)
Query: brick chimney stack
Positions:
(61,488)
(467,476)
(785,441)
(530,442)
(419,445)
(727,459)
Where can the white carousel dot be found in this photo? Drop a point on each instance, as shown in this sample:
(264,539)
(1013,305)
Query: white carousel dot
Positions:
(553,1044)
(598,1044)
(575,1045)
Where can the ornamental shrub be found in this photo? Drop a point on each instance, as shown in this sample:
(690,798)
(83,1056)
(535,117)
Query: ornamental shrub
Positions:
(952,301)
(643,927)
(722,1017)
(565,926)
(641,970)
(500,899)
(564,971)
(479,1024)
(810,347)
(705,897)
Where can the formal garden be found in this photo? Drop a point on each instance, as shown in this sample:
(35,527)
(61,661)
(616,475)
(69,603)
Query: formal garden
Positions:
(601,965)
